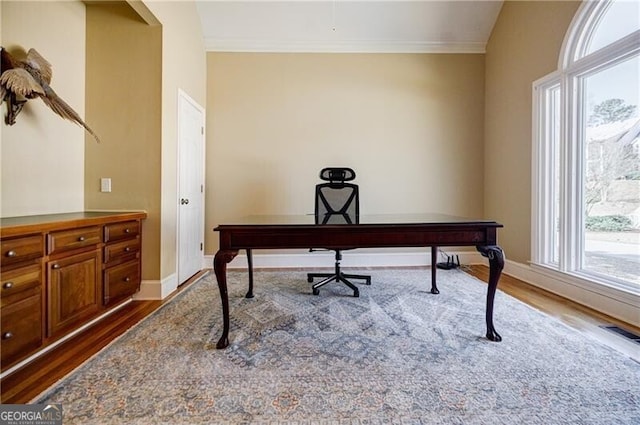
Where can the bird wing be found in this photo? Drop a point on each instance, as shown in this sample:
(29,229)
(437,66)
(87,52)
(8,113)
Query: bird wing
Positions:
(7,60)
(20,82)
(60,107)
(40,64)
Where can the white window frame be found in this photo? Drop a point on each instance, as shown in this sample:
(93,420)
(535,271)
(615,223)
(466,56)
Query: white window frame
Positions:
(573,67)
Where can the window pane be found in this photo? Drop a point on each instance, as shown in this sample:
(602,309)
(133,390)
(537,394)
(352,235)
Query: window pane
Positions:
(554,137)
(611,164)
(621,19)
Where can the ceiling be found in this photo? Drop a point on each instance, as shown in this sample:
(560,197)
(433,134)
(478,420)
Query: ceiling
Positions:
(392,26)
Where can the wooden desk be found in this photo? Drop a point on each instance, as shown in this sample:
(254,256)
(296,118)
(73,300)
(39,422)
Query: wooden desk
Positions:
(371,231)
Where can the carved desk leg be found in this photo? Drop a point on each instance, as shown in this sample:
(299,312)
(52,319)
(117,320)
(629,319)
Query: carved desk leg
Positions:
(250,266)
(434,261)
(220,266)
(496,264)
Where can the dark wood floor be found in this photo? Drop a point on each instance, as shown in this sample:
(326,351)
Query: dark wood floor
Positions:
(29,381)
(579,317)
(25,384)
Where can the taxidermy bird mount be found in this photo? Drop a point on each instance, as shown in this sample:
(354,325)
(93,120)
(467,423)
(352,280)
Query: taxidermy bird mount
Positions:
(21,80)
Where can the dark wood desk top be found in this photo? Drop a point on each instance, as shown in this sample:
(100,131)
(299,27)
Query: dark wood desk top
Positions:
(363,220)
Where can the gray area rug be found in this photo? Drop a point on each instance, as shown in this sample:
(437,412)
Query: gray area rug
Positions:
(396,355)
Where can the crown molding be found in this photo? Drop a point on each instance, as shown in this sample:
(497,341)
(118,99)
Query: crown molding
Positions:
(351,46)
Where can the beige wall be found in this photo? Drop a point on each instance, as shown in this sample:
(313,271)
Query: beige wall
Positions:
(411,125)
(124,92)
(42,155)
(183,67)
(524,46)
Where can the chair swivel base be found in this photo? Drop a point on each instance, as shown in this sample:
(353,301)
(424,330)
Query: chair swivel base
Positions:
(337,277)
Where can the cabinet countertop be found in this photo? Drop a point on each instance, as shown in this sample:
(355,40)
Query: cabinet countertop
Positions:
(13,226)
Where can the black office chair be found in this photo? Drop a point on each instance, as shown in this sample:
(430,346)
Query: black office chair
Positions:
(337,202)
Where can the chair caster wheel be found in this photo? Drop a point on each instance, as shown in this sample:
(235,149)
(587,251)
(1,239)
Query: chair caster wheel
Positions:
(309,279)
(356,294)
(316,291)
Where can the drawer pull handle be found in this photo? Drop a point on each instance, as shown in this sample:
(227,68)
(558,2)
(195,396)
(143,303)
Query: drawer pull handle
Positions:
(55,266)
(7,335)
(127,230)
(8,285)
(127,249)
(127,279)
(12,254)
(81,239)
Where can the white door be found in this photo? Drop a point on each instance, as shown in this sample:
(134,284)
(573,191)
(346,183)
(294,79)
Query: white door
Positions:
(190,187)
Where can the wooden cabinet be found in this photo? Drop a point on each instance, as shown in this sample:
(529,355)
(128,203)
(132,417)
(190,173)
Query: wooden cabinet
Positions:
(117,231)
(59,272)
(21,294)
(121,282)
(67,240)
(74,291)
(122,274)
(21,312)
(20,250)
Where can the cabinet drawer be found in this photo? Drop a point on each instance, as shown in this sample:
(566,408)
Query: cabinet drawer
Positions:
(21,249)
(21,329)
(17,284)
(121,249)
(121,282)
(118,231)
(65,240)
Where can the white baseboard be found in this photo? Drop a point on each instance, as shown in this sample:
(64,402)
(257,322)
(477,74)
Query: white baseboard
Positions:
(157,289)
(614,302)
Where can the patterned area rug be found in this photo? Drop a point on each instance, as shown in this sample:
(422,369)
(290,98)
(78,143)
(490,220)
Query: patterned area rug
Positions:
(396,355)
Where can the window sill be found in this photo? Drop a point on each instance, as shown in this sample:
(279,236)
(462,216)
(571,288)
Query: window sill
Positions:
(621,303)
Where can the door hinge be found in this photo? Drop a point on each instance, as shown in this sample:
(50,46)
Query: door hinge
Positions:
(201,130)
(201,188)
(201,247)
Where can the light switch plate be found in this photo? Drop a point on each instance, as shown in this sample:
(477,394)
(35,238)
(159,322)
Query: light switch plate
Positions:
(105,184)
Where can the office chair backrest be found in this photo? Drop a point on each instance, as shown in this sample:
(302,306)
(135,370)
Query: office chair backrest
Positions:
(337,201)
(337,175)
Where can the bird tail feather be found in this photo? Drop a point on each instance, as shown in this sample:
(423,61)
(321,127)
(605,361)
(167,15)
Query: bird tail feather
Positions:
(60,107)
